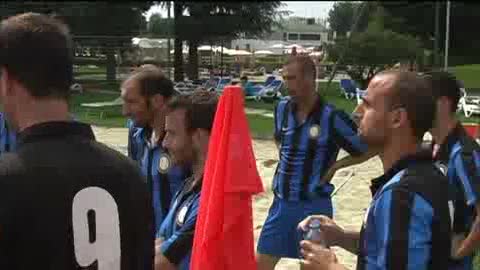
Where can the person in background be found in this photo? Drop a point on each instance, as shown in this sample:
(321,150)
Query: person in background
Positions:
(64,196)
(460,153)
(407,225)
(188,125)
(309,133)
(145,94)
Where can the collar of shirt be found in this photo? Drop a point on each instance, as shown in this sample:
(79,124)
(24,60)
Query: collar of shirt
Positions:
(316,109)
(146,135)
(189,187)
(60,129)
(379,182)
(447,146)
(193,187)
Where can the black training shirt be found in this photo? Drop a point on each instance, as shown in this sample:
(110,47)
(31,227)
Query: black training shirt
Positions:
(69,202)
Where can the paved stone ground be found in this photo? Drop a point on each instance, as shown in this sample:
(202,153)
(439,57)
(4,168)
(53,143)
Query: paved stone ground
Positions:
(350,201)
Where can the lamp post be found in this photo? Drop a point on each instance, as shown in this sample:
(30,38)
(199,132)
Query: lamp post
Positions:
(447,36)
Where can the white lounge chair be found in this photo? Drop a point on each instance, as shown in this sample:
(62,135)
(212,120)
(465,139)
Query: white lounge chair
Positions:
(102,106)
(359,94)
(469,104)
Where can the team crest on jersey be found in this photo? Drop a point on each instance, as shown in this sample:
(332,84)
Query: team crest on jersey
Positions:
(164,163)
(181,215)
(314,131)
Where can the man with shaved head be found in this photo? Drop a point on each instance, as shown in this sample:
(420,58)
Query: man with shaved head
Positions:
(407,225)
(309,132)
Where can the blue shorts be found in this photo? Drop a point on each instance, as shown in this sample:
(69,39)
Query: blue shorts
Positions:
(280,236)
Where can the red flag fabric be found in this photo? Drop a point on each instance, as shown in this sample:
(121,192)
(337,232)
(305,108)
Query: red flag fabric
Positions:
(224,230)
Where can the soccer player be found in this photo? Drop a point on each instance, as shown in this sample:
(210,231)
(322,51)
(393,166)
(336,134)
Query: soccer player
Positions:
(407,225)
(455,149)
(65,199)
(188,126)
(309,133)
(145,94)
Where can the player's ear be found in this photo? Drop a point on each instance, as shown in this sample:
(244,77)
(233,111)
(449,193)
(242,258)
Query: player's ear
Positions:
(200,137)
(399,117)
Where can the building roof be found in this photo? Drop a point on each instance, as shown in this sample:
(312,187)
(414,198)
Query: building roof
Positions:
(299,25)
(303,27)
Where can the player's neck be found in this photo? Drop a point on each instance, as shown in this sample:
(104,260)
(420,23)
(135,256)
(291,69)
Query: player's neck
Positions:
(444,128)
(396,151)
(306,104)
(198,164)
(48,110)
(197,170)
(158,127)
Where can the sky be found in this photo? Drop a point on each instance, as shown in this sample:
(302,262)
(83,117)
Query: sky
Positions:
(318,9)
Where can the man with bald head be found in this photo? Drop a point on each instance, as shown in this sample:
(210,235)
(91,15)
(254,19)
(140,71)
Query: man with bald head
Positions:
(309,133)
(407,225)
(145,94)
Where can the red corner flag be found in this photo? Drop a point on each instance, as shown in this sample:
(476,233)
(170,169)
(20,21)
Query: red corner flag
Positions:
(224,229)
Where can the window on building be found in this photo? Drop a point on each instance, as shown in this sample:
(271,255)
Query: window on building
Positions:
(292,36)
(247,47)
(284,36)
(237,48)
(310,37)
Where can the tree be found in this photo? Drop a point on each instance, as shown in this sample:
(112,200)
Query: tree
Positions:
(226,20)
(418,18)
(112,26)
(375,49)
(105,24)
(342,16)
(159,27)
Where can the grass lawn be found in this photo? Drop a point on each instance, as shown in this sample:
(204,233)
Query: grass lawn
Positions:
(113,117)
(469,74)
(261,126)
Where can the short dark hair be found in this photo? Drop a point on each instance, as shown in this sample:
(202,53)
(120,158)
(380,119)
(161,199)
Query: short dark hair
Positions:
(152,81)
(37,50)
(413,93)
(200,109)
(305,64)
(444,84)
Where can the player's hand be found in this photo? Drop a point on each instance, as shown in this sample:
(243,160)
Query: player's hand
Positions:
(158,244)
(332,233)
(317,257)
(457,241)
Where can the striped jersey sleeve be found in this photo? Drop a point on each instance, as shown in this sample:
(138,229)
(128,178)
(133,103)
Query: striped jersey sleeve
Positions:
(180,243)
(466,168)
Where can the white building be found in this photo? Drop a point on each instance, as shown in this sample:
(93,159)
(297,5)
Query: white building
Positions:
(301,31)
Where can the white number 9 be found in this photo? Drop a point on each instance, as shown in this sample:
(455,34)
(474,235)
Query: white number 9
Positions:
(101,242)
